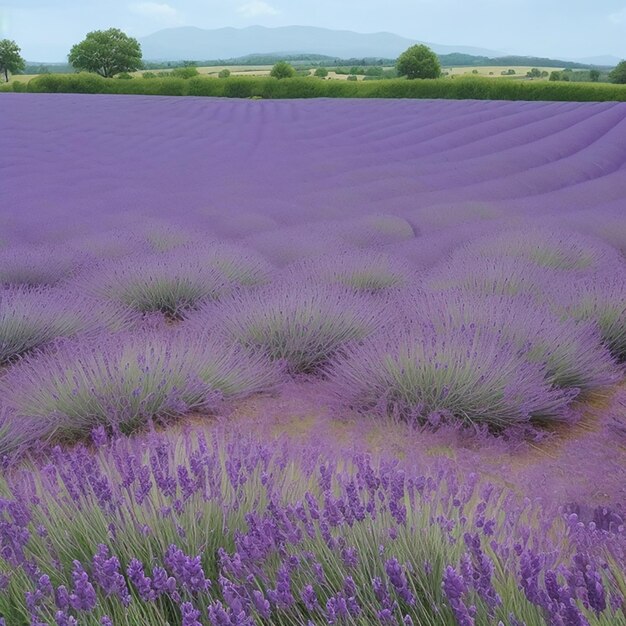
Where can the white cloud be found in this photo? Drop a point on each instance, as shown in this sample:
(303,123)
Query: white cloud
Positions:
(158,11)
(256,8)
(619,17)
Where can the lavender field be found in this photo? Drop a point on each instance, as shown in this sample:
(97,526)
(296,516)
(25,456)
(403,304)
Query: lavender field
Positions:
(312,362)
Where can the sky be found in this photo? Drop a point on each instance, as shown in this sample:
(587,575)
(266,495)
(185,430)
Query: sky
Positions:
(46,29)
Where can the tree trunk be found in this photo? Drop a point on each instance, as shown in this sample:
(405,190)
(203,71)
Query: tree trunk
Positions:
(6,75)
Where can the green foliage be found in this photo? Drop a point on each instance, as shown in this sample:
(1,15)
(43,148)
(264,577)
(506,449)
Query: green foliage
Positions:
(185,72)
(352,77)
(418,62)
(106,52)
(297,87)
(282,69)
(535,72)
(618,75)
(321,72)
(594,76)
(10,58)
(225,73)
(149,75)
(124,76)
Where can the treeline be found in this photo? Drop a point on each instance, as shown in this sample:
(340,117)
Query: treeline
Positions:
(470,60)
(262,87)
(320,60)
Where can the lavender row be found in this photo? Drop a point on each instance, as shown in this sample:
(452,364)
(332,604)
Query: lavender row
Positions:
(216,528)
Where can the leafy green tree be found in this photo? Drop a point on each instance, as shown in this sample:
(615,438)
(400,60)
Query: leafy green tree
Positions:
(594,76)
(535,72)
(225,73)
(321,72)
(10,58)
(418,62)
(106,52)
(282,69)
(352,77)
(618,75)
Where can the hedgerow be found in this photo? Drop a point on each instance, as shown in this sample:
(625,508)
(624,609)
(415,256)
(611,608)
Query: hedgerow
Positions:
(298,87)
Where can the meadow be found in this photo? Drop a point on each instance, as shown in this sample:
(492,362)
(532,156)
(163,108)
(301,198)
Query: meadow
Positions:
(298,362)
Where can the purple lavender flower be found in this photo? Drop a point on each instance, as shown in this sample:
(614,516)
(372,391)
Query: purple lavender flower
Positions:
(83,597)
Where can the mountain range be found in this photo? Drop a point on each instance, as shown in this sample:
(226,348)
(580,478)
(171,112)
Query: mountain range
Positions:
(189,42)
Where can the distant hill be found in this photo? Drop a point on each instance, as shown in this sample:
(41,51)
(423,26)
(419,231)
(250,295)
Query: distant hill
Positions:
(455,59)
(188,42)
(606,60)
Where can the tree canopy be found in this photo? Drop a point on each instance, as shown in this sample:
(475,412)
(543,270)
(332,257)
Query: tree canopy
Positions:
(10,58)
(618,75)
(418,61)
(106,52)
(282,69)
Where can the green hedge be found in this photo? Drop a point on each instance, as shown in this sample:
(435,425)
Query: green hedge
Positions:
(264,87)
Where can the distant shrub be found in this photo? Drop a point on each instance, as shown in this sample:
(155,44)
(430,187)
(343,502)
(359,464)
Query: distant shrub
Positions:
(283,246)
(31,318)
(185,72)
(550,248)
(602,300)
(492,276)
(304,326)
(240,266)
(376,229)
(321,72)
(124,76)
(367,272)
(166,283)
(68,83)
(282,69)
(148,75)
(31,265)
(225,73)
(463,375)
(618,74)
(352,77)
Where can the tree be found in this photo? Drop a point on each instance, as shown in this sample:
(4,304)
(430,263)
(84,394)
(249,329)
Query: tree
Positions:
(594,76)
(618,75)
(10,58)
(418,62)
(282,69)
(106,52)
(321,72)
(225,73)
(535,72)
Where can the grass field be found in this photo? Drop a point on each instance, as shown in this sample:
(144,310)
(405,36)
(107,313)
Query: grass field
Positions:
(264,70)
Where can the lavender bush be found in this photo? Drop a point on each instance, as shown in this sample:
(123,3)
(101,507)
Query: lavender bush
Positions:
(32,318)
(571,350)
(124,381)
(304,327)
(168,283)
(371,272)
(32,266)
(433,376)
(603,301)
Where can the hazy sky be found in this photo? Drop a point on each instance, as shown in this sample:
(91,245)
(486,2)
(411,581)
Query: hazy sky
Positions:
(46,29)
